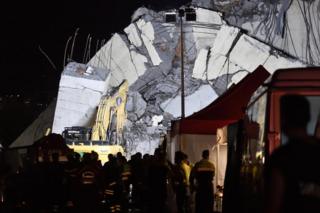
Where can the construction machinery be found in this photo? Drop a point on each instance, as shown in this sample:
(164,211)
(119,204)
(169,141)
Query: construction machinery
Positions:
(105,137)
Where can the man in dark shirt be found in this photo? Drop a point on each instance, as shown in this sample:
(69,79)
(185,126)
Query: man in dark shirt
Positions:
(292,172)
(201,178)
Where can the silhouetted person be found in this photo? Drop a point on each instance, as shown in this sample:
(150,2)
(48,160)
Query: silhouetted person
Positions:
(55,178)
(125,181)
(145,198)
(71,170)
(181,182)
(202,173)
(112,182)
(137,171)
(158,174)
(293,175)
(90,184)
(187,167)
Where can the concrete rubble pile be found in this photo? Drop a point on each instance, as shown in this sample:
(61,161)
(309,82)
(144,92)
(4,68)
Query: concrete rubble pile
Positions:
(289,25)
(148,56)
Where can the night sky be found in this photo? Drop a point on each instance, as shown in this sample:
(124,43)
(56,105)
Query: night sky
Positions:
(28,26)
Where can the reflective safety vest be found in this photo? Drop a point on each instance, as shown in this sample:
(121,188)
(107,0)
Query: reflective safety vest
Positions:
(88,177)
(187,170)
(204,171)
(126,172)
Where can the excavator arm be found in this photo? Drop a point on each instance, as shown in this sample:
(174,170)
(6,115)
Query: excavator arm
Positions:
(108,105)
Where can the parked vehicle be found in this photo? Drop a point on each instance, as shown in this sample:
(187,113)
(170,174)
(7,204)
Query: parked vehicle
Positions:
(252,139)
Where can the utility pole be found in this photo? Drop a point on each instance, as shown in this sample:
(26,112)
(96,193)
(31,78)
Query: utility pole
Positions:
(181,15)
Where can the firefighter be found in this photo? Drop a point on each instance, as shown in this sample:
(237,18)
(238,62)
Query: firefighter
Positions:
(201,178)
(125,183)
(112,190)
(90,181)
(71,170)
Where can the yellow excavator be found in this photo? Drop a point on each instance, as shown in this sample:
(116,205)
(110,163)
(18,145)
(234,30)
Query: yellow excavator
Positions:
(105,137)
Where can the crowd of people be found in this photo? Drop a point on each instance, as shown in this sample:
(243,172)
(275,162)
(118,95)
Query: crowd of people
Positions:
(82,184)
(144,183)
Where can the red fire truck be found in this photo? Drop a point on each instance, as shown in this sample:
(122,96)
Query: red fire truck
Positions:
(253,139)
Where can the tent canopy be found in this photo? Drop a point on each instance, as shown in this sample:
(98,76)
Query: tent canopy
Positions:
(226,109)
